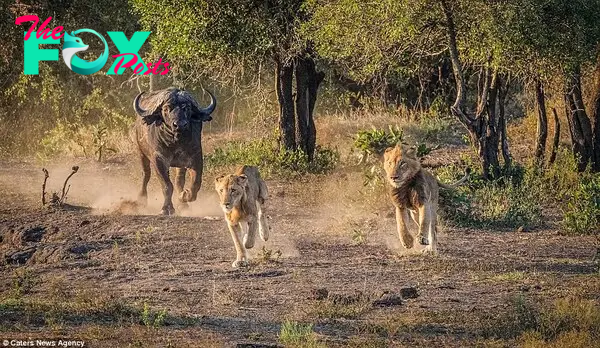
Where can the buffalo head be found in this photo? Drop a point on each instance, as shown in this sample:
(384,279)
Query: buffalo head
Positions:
(173,107)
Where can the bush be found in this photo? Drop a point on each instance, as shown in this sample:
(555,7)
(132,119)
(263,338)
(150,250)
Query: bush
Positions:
(264,154)
(582,209)
(568,322)
(513,201)
(294,334)
(375,141)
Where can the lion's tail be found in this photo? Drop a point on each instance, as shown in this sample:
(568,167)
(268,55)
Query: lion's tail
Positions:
(458,183)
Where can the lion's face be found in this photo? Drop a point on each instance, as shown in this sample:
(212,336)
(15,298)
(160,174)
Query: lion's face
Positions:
(399,166)
(231,189)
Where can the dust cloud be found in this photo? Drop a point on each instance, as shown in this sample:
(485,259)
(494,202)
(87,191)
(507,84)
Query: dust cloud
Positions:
(113,189)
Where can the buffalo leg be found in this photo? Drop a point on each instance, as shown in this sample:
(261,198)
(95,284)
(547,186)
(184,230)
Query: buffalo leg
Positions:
(190,195)
(143,196)
(162,170)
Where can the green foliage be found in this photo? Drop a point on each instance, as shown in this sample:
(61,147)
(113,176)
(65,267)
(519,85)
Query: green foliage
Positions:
(423,150)
(359,236)
(23,281)
(565,323)
(375,141)
(267,156)
(582,209)
(511,202)
(222,36)
(351,31)
(152,319)
(296,335)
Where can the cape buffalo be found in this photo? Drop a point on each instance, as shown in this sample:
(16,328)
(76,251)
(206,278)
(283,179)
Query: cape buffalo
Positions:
(168,133)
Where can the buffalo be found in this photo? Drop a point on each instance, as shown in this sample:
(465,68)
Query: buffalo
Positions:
(168,133)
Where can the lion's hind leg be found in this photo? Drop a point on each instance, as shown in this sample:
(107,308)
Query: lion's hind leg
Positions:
(263,226)
(433,231)
(263,191)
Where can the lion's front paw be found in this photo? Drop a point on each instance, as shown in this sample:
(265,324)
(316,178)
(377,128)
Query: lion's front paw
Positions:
(429,251)
(186,196)
(407,241)
(239,264)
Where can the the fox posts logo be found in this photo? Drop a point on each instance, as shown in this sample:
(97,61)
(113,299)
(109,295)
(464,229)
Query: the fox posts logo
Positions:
(128,56)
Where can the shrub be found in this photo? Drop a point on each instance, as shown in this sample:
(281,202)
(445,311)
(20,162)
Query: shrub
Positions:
(568,322)
(513,201)
(267,156)
(294,334)
(375,141)
(582,209)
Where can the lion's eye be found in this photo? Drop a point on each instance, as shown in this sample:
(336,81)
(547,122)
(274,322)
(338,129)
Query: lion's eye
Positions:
(233,190)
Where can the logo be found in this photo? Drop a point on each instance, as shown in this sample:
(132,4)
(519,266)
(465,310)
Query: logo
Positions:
(73,44)
(128,56)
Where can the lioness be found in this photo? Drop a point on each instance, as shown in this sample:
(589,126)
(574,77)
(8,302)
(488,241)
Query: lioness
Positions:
(414,190)
(242,196)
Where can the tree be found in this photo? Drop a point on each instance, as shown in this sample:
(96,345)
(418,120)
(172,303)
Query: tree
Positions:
(223,38)
(482,129)
(542,122)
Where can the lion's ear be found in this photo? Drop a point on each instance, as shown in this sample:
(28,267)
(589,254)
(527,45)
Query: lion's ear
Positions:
(410,153)
(242,180)
(219,178)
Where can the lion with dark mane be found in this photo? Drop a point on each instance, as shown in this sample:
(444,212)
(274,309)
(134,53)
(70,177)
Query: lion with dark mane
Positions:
(414,191)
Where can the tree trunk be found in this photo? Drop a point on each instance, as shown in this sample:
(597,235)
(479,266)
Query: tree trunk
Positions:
(503,86)
(556,139)
(596,115)
(314,81)
(302,113)
(580,127)
(490,145)
(542,122)
(283,86)
(481,129)
(296,120)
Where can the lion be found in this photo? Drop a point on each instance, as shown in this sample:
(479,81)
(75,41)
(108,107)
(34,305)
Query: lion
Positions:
(416,191)
(242,197)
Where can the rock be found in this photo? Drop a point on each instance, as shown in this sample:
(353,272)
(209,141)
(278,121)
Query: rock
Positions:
(20,257)
(34,234)
(388,300)
(83,248)
(347,299)
(319,294)
(409,292)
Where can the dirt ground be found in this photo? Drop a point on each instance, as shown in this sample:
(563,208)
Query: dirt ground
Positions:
(90,272)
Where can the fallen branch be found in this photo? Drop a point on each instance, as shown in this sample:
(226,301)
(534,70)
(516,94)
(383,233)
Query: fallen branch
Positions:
(46,175)
(55,199)
(66,191)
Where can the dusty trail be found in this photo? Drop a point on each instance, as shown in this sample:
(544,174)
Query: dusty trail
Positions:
(182,264)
